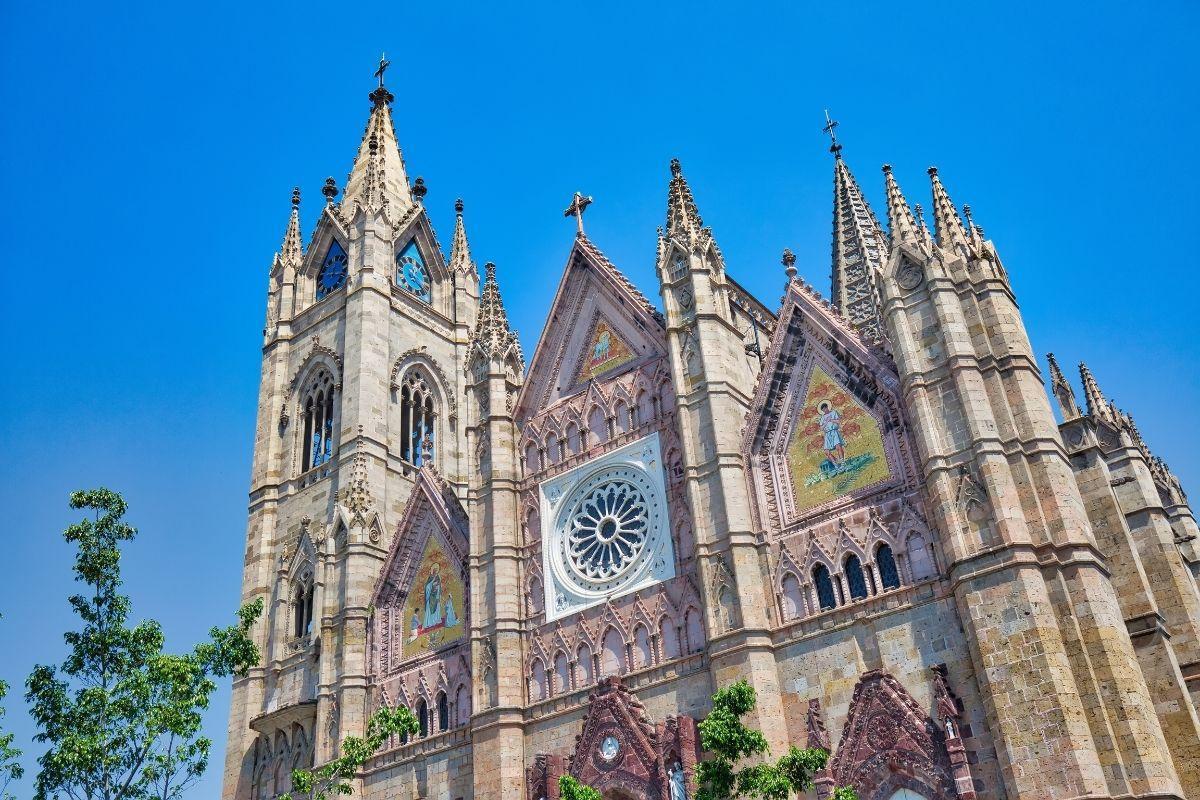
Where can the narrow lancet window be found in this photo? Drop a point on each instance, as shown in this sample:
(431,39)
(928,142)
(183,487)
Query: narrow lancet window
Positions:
(418,416)
(318,422)
(855,579)
(824,583)
(886,563)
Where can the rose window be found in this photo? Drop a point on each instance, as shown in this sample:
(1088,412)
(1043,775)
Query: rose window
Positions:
(607,531)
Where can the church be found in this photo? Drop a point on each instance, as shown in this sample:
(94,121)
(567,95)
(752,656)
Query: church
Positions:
(961,578)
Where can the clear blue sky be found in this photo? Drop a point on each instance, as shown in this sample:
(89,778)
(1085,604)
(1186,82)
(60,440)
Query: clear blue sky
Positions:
(149,151)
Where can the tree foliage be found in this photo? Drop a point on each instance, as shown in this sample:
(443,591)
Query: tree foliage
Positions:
(571,789)
(10,768)
(121,717)
(723,734)
(334,778)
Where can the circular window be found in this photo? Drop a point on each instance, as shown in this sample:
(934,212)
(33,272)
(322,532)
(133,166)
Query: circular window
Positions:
(607,530)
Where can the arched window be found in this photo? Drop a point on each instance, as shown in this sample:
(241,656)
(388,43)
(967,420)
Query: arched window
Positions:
(443,712)
(552,452)
(669,637)
(334,271)
(417,418)
(919,561)
(854,578)
(792,604)
(641,647)
(622,415)
(462,705)
(422,718)
(824,583)
(318,422)
(537,596)
(583,663)
(612,654)
(411,273)
(531,459)
(302,608)
(574,446)
(562,673)
(886,563)
(537,681)
(695,630)
(597,426)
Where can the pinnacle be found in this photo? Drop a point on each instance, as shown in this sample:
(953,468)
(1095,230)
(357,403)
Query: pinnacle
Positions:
(378,177)
(292,250)
(460,250)
(859,249)
(946,223)
(492,333)
(1097,404)
(683,218)
(901,224)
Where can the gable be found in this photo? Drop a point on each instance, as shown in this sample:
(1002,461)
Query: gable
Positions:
(598,327)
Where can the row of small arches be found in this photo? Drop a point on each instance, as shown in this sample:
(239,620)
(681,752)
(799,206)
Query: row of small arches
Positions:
(853,582)
(617,656)
(443,715)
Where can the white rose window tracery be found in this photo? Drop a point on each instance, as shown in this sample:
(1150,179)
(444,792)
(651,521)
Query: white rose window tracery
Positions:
(607,530)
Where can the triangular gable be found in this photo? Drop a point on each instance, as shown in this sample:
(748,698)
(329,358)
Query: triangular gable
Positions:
(618,747)
(827,421)
(599,325)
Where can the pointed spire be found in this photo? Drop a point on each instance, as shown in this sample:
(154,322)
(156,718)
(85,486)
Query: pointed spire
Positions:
(901,225)
(683,219)
(492,334)
(460,250)
(1097,404)
(378,177)
(859,250)
(946,224)
(291,252)
(1062,390)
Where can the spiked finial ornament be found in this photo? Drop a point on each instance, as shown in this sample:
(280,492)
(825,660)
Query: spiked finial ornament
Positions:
(458,206)
(419,190)
(676,168)
(330,190)
(789,263)
(296,197)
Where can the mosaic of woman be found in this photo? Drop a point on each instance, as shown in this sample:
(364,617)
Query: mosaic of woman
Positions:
(433,599)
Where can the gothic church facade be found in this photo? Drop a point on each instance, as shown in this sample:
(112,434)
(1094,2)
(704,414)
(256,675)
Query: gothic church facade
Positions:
(864,507)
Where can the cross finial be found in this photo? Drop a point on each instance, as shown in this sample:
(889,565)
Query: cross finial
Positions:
(383,65)
(831,129)
(578,204)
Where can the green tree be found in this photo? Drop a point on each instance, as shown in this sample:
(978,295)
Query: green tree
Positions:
(334,778)
(121,717)
(10,768)
(723,734)
(571,789)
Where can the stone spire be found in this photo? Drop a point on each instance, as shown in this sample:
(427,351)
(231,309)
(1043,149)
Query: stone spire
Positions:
(291,252)
(492,334)
(922,231)
(378,179)
(1097,404)
(951,234)
(901,224)
(683,219)
(859,250)
(1062,390)
(460,250)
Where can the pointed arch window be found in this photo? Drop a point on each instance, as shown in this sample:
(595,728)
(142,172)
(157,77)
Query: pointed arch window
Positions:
(792,604)
(855,579)
(886,562)
(302,607)
(318,422)
(443,712)
(417,417)
(334,271)
(422,718)
(411,273)
(824,583)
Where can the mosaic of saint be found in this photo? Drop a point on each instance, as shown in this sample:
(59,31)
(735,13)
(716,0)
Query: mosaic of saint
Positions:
(836,447)
(435,602)
(605,352)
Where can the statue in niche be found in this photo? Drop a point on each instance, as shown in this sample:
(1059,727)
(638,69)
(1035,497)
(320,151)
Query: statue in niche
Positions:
(677,782)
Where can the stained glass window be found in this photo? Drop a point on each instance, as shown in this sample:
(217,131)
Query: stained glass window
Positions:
(887,567)
(855,578)
(334,271)
(411,272)
(824,584)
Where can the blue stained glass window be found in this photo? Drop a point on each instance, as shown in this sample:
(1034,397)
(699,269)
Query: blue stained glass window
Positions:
(824,583)
(887,567)
(855,578)
(411,272)
(334,271)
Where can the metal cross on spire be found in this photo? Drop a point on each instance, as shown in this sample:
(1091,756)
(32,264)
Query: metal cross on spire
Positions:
(831,129)
(383,65)
(578,204)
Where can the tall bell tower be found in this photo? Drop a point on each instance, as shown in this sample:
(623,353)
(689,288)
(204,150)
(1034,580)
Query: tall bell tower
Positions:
(362,364)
